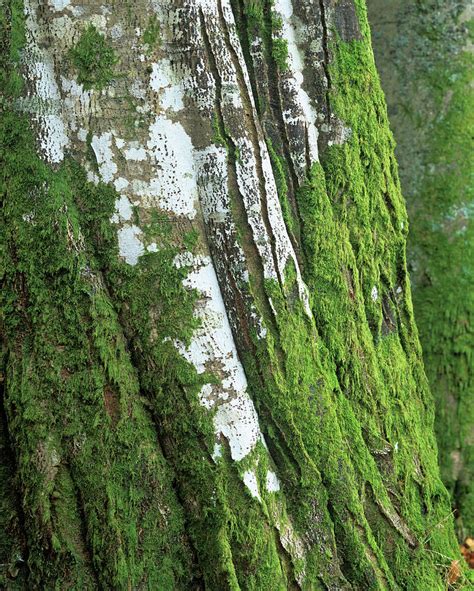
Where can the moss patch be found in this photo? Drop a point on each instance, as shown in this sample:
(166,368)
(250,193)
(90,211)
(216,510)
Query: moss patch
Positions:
(93,59)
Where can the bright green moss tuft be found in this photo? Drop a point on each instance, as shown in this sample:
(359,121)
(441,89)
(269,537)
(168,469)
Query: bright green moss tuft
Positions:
(94,59)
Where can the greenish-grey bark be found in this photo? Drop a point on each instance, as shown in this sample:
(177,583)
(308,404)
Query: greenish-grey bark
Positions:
(212,374)
(424,51)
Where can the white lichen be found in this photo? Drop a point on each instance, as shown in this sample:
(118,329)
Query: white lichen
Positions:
(251,482)
(59,4)
(171,151)
(123,207)
(47,111)
(212,347)
(120,184)
(272,483)
(102,146)
(303,110)
(130,244)
(138,154)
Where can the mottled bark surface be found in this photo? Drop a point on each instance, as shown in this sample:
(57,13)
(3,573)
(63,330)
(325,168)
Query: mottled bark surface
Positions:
(424,51)
(212,375)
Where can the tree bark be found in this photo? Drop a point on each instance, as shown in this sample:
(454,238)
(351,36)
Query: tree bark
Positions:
(212,375)
(424,53)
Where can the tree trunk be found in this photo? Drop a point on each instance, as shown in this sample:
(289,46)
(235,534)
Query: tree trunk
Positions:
(425,55)
(212,375)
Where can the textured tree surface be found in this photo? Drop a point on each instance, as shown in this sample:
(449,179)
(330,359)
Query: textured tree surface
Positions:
(424,51)
(212,378)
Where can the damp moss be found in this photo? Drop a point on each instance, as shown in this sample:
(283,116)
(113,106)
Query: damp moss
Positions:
(94,59)
(334,396)
(355,378)
(93,486)
(222,523)
(433,83)
(383,364)
(92,478)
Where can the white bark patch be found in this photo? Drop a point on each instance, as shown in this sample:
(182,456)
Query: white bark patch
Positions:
(120,184)
(294,81)
(40,72)
(164,81)
(59,4)
(237,420)
(130,245)
(116,32)
(171,149)
(102,146)
(212,348)
(137,154)
(374,294)
(123,208)
(251,482)
(77,101)
(272,483)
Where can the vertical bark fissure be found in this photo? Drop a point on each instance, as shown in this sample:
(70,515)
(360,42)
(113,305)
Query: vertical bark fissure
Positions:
(249,246)
(241,24)
(251,253)
(274,100)
(255,135)
(277,109)
(326,56)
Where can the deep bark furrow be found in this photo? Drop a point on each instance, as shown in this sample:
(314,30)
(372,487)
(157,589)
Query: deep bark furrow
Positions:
(255,133)
(326,59)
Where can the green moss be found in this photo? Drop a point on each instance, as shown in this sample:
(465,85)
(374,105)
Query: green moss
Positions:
(96,493)
(12,542)
(441,234)
(379,371)
(88,452)
(151,35)
(341,396)
(218,136)
(151,301)
(94,59)
(279,44)
(357,381)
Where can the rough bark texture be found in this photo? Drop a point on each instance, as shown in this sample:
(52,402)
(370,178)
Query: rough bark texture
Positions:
(212,375)
(424,51)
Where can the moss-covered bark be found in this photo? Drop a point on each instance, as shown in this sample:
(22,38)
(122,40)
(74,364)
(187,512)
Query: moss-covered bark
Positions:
(212,374)
(424,52)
